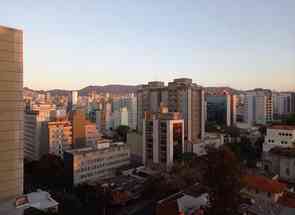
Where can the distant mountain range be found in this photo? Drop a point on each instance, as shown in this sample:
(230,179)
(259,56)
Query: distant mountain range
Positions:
(216,90)
(113,89)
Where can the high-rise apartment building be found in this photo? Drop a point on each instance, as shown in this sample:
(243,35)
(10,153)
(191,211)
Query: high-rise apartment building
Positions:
(79,122)
(293,102)
(11,113)
(221,109)
(132,112)
(181,96)
(120,117)
(258,107)
(59,137)
(104,116)
(282,105)
(163,137)
(35,139)
(123,105)
(188,99)
(91,134)
(73,100)
(45,111)
(149,99)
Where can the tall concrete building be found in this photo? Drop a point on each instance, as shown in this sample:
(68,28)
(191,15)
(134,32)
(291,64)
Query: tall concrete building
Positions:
(282,105)
(73,100)
(11,113)
(258,107)
(132,112)
(35,139)
(149,99)
(188,99)
(120,117)
(163,138)
(59,137)
(285,104)
(221,109)
(79,122)
(293,102)
(45,111)
(120,105)
(91,134)
(182,96)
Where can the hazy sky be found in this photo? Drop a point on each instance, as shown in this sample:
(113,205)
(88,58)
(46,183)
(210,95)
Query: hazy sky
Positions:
(74,43)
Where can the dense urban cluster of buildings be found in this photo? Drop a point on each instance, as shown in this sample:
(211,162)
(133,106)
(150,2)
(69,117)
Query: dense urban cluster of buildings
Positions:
(164,121)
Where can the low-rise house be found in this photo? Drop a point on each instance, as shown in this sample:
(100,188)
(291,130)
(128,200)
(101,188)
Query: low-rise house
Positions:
(261,187)
(210,140)
(95,163)
(281,161)
(39,200)
(182,204)
(279,136)
(191,201)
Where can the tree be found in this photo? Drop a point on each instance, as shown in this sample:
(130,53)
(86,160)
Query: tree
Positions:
(68,203)
(262,129)
(245,152)
(233,131)
(222,178)
(290,119)
(47,173)
(158,187)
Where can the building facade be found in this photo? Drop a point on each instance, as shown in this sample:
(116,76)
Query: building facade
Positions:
(11,113)
(280,161)
(91,134)
(79,121)
(59,137)
(258,107)
(149,99)
(279,136)
(282,105)
(120,117)
(163,138)
(181,96)
(188,99)
(45,110)
(94,164)
(221,109)
(34,136)
(293,102)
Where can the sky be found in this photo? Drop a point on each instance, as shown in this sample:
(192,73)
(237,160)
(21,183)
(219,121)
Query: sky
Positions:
(71,44)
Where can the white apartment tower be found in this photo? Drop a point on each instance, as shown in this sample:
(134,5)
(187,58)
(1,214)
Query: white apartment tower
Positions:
(258,107)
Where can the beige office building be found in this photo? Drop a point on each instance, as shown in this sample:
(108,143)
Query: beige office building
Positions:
(11,113)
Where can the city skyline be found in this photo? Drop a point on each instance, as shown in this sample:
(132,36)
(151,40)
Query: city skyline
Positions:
(228,43)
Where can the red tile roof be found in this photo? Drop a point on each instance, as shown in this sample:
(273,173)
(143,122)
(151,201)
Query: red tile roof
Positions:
(283,127)
(287,200)
(167,208)
(264,184)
